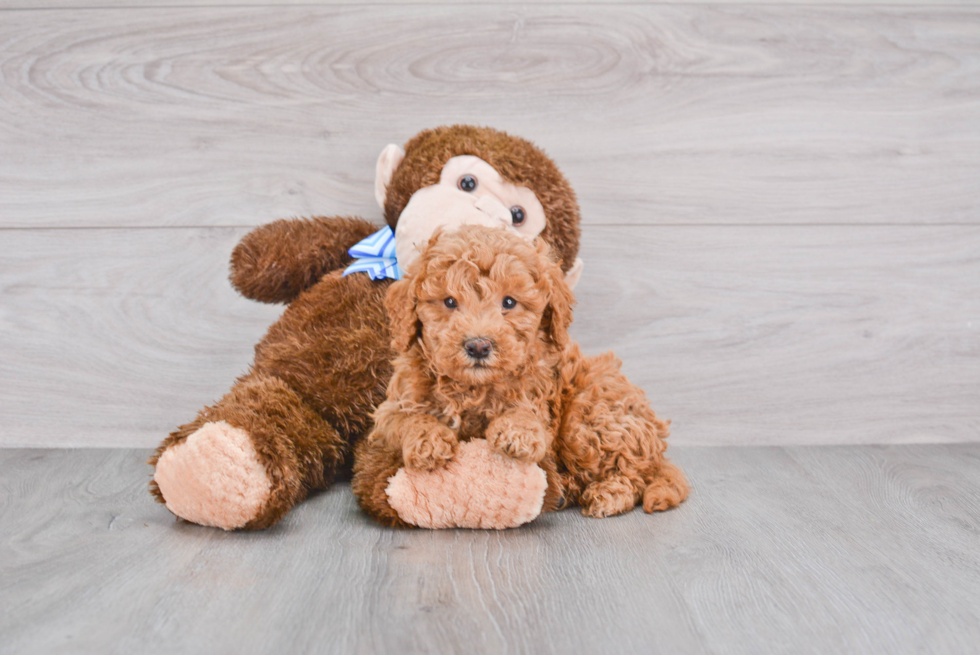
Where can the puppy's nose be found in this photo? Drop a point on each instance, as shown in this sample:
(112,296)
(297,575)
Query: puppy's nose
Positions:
(478,348)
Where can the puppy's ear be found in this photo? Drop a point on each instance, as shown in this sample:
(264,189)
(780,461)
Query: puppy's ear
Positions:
(558,313)
(404,321)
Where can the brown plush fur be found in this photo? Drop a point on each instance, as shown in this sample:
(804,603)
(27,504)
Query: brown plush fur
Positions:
(318,374)
(293,443)
(518,161)
(276,262)
(535,398)
(322,369)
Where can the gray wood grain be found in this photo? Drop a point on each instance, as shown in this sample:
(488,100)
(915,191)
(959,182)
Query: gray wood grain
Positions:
(803,550)
(667,114)
(422,7)
(741,335)
(792,335)
(114,337)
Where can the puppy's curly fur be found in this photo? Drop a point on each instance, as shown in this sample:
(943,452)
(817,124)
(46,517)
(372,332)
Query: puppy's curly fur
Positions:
(481,332)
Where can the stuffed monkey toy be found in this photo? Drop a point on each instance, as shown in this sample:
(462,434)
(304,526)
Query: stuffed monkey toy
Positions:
(289,425)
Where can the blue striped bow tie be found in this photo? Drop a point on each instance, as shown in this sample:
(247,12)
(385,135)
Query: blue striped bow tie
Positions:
(375,256)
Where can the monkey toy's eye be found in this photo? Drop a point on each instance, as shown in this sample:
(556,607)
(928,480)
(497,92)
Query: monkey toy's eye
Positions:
(517,215)
(509,303)
(467,183)
(450,303)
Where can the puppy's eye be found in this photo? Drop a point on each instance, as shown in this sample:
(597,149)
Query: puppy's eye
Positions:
(517,215)
(509,303)
(450,303)
(467,183)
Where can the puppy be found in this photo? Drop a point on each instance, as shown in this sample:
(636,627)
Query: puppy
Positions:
(481,334)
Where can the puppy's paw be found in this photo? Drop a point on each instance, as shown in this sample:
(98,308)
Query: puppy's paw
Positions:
(668,489)
(519,435)
(431,450)
(608,497)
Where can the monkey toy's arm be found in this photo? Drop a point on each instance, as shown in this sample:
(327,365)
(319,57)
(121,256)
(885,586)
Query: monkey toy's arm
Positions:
(412,470)
(276,262)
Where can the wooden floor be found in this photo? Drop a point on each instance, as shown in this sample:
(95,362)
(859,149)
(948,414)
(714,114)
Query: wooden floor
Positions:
(854,549)
(781,211)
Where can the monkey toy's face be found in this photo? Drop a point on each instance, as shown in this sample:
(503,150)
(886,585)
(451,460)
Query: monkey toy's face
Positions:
(468,191)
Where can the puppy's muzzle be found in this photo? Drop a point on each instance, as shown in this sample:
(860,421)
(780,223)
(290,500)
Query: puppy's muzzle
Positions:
(478,348)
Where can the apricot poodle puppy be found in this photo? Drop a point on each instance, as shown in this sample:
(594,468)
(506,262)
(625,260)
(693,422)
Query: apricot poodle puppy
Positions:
(481,335)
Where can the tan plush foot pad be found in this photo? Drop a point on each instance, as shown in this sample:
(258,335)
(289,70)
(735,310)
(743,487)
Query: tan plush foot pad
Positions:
(213,478)
(477,489)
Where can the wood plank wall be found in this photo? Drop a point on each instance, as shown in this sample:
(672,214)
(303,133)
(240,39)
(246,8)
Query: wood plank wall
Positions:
(781,201)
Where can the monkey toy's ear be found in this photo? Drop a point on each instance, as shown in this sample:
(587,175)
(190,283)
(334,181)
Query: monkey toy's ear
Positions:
(388,163)
(574,274)
(404,321)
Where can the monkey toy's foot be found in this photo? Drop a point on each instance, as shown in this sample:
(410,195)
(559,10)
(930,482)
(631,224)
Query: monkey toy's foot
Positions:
(478,488)
(214,478)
